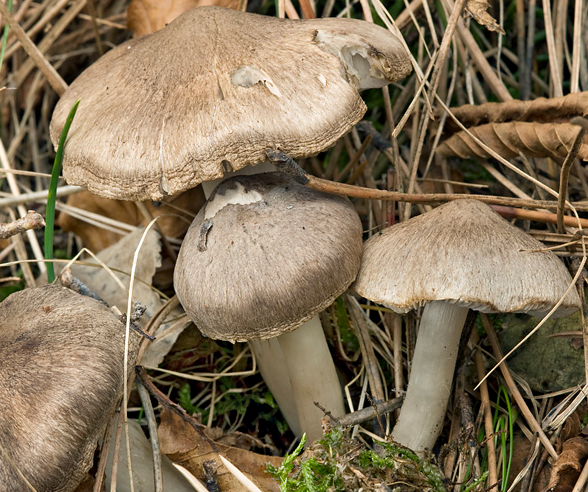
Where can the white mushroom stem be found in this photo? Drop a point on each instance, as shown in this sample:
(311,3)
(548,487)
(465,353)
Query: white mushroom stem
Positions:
(270,362)
(422,414)
(299,370)
(297,367)
(313,376)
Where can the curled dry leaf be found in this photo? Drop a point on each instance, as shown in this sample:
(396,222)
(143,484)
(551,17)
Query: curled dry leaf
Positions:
(189,449)
(568,466)
(538,128)
(148,16)
(478,9)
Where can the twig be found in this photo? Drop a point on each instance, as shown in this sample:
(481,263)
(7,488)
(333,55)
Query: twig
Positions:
(32,220)
(488,427)
(286,164)
(370,412)
(152,425)
(536,216)
(565,169)
(36,196)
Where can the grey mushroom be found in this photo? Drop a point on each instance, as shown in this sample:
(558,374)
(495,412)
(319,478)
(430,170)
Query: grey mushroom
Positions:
(460,256)
(61,378)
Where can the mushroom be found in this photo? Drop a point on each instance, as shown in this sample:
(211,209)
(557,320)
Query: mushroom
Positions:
(61,378)
(261,260)
(459,256)
(212,92)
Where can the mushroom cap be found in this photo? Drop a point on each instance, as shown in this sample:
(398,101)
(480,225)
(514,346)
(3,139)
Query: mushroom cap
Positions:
(264,256)
(465,253)
(61,377)
(213,91)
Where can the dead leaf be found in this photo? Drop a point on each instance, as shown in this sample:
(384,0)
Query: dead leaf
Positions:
(96,238)
(567,468)
(521,452)
(478,9)
(148,16)
(538,128)
(186,447)
(120,256)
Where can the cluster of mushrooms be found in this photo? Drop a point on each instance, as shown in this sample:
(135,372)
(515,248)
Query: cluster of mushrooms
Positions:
(206,96)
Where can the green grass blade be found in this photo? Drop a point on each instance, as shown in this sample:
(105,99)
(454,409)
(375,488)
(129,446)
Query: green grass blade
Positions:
(51,196)
(5,35)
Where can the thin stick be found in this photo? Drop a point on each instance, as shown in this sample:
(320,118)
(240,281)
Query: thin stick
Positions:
(565,169)
(488,427)
(287,165)
(152,425)
(36,196)
(531,420)
(553,59)
(32,220)
(576,50)
(548,218)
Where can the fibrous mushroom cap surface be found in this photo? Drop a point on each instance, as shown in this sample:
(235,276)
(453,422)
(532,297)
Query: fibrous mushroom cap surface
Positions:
(61,377)
(463,252)
(213,91)
(276,253)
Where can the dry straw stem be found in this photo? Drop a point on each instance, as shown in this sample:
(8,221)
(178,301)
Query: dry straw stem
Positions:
(50,73)
(32,220)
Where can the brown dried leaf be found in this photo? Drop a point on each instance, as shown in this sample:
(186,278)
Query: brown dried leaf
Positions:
(96,239)
(538,128)
(540,110)
(568,466)
(148,16)
(508,139)
(186,447)
(478,10)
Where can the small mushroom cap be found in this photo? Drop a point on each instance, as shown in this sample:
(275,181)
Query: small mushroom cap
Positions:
(463,252)
(61,377)
(213,91)
(264,256)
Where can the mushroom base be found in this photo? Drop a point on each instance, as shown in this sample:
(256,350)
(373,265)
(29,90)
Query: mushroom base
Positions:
(433,365)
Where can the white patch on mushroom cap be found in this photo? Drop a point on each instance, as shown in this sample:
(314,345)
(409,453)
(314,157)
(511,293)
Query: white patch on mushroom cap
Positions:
(233,196)
(359,59)
(247,76)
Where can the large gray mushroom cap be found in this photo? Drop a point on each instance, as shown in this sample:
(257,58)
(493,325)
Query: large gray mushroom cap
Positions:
(61,378)
(212,92)
(463,252)
(265,255)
